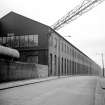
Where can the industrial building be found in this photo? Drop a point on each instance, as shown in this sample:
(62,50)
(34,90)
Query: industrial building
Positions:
(26,35)
(38,43)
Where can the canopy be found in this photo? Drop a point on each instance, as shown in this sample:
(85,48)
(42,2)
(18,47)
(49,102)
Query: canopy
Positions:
(9,51)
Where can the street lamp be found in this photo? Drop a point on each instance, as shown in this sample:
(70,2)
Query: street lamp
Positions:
(67,36)
(102,62)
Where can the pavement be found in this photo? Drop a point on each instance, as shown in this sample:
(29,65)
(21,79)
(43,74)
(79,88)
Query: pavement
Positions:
(100,92)
(75,90)
(102,82)
(13,84)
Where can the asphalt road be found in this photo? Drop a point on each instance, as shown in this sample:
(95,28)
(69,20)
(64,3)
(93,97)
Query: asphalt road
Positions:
(78,90)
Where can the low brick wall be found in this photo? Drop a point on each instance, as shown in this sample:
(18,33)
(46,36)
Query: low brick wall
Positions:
(4,71)
(10,71)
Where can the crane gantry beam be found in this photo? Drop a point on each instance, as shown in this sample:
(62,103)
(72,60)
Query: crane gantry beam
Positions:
(80,9)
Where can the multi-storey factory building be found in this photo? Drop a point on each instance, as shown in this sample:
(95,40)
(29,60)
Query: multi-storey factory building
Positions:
(38,43)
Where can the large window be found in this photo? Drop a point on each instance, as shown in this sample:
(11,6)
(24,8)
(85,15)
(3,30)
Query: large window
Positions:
(31,41)
(26,40)
(20,41)
(0,40)
(55,65)
(50,73)
(62,46)
(9,40)
(55,42)
(4,40)
(36,40)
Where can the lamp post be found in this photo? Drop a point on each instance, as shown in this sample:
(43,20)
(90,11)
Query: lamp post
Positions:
(102,63)
(102,57)
(67,36)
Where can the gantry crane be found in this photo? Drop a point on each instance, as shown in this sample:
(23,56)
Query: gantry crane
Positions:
(80,9)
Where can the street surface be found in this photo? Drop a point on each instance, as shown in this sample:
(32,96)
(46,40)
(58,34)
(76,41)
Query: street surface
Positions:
(77,90)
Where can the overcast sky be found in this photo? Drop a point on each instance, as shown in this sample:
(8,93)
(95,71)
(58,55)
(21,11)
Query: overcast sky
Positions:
(87,32)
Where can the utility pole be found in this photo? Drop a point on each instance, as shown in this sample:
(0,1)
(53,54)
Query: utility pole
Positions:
(102,63)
